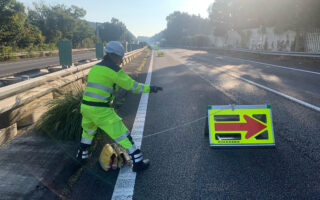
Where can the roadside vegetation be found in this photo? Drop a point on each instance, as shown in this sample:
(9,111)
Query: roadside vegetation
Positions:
(63,118)
(29,30)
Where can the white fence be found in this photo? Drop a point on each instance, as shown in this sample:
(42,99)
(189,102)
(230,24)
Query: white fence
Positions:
(312,41)
(268,39)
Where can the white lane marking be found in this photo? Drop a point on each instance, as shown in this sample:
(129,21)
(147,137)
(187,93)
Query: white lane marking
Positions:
(263,87)
(272,65)
(278,93)
(124,187)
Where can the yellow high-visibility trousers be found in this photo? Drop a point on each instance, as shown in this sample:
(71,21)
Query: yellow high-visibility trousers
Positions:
(106,119)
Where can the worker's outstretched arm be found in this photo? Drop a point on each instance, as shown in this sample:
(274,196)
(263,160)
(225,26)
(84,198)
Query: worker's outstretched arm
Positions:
(127,83)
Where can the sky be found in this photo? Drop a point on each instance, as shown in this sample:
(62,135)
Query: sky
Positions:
(142,17)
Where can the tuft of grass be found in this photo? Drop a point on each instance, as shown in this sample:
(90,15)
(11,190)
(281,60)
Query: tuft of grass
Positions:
(63,119)
(160,54)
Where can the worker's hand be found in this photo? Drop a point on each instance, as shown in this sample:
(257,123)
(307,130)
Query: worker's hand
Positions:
(155,89)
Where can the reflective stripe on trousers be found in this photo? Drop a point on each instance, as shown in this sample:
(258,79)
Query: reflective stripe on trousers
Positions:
(132,149)
(124,136)
(134,87)
(141,88)
(90,132)
(86,140)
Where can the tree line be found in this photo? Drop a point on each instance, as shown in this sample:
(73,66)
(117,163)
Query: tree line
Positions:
(41,27)
(183,28)
(283,15)
(225,15)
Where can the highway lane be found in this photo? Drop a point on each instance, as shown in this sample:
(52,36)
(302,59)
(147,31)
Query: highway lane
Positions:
(303,85)
(183,165)
(9,68)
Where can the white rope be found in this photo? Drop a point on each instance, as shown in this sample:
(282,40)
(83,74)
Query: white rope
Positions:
(182,125)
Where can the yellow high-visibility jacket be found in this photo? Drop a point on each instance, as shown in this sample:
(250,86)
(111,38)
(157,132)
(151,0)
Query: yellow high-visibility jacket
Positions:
(104,80)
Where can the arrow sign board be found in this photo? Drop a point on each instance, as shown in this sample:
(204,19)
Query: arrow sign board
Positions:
(240,126)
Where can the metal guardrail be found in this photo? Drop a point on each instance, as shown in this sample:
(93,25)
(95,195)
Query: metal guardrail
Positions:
(78,72)
(22,104)
(45,66)
(45,52)
(52,65)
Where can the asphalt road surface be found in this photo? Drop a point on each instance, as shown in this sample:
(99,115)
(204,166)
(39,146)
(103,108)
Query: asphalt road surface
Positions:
(183,164)
(9,68)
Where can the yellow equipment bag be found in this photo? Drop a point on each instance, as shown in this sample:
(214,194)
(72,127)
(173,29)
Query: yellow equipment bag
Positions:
(108,158)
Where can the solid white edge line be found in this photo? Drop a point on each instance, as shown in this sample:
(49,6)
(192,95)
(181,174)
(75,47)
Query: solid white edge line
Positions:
(124,187)
(272,65)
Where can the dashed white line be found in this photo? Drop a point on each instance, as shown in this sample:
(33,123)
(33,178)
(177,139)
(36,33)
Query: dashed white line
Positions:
(124,187)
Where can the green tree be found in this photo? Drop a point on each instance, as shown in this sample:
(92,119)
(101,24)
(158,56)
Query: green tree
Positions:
(225,15)
(59,22)
(115,30)
(182,25)
(221,16)
(12,23)
(15,30)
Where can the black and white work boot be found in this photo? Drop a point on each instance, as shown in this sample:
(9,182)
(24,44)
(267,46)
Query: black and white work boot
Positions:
(83,154)
(139,164)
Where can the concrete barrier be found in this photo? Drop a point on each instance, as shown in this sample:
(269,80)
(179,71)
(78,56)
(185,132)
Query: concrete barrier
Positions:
(23,103)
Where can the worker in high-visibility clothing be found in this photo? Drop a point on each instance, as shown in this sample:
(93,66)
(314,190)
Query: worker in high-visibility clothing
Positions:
(104,80)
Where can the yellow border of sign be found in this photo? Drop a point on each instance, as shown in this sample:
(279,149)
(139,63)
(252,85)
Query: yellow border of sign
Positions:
(240,110)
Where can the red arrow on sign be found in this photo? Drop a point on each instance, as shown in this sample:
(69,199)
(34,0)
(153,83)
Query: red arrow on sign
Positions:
(252,126)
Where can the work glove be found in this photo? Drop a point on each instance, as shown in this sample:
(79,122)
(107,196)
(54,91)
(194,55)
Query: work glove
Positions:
(108,158)
(113,157)
(122,155)
(155,89)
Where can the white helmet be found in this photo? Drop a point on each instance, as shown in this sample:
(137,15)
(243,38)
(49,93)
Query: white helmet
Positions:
(115,47)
